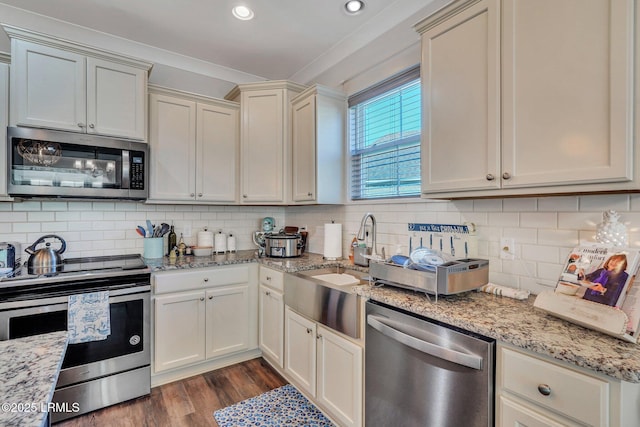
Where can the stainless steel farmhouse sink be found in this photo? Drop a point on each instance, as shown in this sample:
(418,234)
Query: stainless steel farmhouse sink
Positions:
(325,295)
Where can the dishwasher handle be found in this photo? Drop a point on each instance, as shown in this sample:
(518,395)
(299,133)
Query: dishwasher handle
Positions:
(468,360)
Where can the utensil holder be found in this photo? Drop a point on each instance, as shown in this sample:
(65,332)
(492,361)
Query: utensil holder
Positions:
(153,247)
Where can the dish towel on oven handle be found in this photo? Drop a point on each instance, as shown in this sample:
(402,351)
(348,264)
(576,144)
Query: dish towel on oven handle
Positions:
(88,317)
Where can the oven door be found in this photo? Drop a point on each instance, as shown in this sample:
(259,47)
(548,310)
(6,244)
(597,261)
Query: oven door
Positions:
(127,347)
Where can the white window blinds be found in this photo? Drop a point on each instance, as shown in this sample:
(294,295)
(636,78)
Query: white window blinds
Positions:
(385,124)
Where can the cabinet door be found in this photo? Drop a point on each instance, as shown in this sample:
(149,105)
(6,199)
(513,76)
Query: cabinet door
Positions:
(179,330)
(116,104)
(4,122)
(271,326)
(48,87)
(227,324)
(461,109)
(172,139)
(567,91)
(217,154)
(300,350)
(304,149)
(262,146)
(340,377)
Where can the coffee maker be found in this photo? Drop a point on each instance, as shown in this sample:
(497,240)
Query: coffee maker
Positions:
(268,225)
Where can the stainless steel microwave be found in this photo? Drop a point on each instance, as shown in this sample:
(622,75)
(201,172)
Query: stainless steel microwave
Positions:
(46,163)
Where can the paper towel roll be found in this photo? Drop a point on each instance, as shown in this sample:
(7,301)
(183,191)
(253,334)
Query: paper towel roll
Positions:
(333,241)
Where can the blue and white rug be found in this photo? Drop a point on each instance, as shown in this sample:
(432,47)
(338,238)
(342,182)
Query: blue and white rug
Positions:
(283,406)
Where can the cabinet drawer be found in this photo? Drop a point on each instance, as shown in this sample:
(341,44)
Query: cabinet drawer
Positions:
(272,278)
(199,278)
(573,394)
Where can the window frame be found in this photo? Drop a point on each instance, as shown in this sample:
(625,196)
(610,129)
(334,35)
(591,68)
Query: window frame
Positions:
(409,75)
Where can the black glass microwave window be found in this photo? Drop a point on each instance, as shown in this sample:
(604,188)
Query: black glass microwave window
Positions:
(56,164)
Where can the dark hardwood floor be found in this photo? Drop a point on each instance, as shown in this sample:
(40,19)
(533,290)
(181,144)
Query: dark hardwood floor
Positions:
(189,402)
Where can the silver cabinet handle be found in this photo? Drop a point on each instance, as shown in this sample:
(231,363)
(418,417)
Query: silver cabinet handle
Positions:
(468,360)
(192,195)
(506,175)
(201,298)
(211,297)
(80,125)
(544,389)
(206,279)
(490,177)
(308,330)
(92,126)
(199,194)
(268,277)
(267,293)
(309,194)
(244,196)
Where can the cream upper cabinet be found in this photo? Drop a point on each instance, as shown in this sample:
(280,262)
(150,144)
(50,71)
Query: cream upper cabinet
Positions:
(317,121)
(61,85)
(4,120)
(529,97)
(460,90)
(194,148)
(265,140)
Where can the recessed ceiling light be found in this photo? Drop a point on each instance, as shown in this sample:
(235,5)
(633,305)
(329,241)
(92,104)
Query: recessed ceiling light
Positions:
(354,6)
(242,12)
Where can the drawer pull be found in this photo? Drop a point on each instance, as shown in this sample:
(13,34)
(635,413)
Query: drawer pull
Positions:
(544,389)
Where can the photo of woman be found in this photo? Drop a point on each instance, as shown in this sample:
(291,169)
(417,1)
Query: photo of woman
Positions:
(606,283)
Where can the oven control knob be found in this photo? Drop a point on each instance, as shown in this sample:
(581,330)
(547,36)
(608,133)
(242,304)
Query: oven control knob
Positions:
(134,340)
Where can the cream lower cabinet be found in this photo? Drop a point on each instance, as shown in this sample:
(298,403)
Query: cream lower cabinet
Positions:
(529,97)
(203,314)
(271,316)
(326,366)
(535,391)
(194,148)
(64,86)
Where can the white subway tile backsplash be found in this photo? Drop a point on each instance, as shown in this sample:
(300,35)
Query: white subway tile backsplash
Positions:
(538,219)
(617,202)
(544,228)
(558,204)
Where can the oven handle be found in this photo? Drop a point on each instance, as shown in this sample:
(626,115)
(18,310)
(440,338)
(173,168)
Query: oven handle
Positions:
(65,298)
(468,360)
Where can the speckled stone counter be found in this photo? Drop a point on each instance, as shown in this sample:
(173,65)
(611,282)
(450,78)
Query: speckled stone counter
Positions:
(505,319)
(518,323)
(29,369)
(307,261)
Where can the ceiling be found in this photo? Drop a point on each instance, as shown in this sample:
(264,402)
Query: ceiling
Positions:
(287,38)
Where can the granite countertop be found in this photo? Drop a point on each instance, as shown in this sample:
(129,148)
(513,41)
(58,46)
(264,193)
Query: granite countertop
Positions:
(520,324)
(508,320)
(29,369)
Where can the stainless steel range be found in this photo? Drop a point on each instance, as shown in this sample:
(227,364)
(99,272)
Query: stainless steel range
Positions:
(94,374)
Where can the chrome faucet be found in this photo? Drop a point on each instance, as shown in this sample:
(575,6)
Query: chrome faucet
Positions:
(361,233)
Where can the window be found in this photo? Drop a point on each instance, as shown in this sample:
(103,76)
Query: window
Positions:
(385,124)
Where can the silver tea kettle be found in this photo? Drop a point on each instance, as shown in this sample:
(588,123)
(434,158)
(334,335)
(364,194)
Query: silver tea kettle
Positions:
(45,260)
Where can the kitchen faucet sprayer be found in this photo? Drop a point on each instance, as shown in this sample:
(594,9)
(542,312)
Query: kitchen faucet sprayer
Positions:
(361,232)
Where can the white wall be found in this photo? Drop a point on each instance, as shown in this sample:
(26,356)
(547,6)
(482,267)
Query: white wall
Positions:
(544,228)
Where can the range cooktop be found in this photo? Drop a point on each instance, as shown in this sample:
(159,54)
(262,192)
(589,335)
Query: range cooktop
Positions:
(80,268)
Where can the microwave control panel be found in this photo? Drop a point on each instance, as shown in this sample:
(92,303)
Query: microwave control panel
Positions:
(137,171)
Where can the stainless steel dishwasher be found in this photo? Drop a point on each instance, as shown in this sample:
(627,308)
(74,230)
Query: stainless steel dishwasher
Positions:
(420,372)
